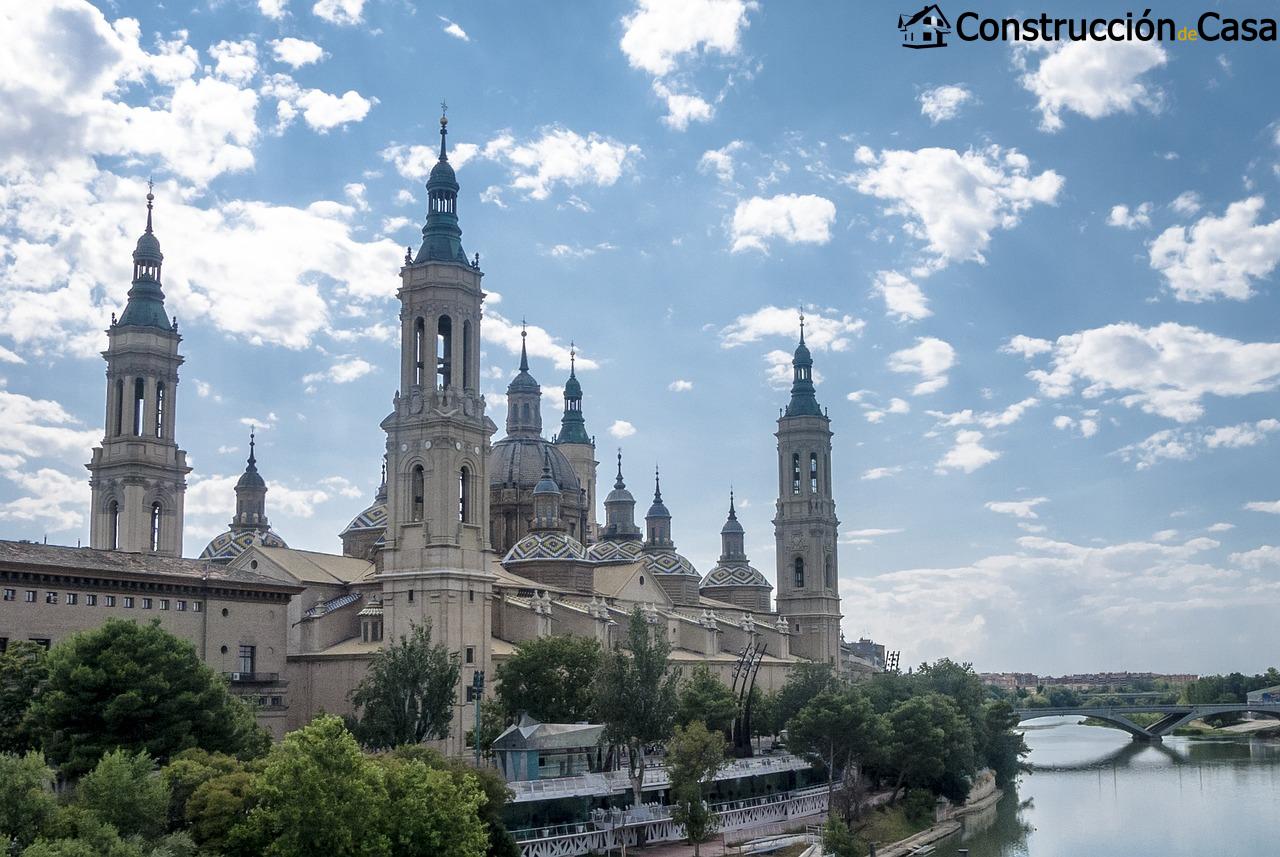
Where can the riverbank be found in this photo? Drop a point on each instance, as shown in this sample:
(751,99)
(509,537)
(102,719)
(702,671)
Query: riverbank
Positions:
(983,796)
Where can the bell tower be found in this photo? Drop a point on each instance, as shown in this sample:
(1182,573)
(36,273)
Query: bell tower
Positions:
(138,474)
(805,525)
(436,556)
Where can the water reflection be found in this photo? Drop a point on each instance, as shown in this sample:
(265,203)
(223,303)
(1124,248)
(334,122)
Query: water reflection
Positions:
(1093,791)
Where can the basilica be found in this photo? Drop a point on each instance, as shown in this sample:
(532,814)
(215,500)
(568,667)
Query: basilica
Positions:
(491,541)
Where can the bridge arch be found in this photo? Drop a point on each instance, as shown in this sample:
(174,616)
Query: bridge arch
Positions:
(1174,715)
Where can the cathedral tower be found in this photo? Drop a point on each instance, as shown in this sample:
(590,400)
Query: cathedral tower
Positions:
(579,448)
(435,563)
(805,525)
(138,474)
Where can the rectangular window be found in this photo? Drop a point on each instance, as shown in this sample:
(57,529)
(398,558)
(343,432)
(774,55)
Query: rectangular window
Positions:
(40,641)
(91,601)
(471,655)
(197,606)
(109,600)
(4,645)
(182,606)
(247,658)
(31,596)
(277,701)
(813,473)
(128,601)
(51,598)
(795,473)
(410,596)
(10,594)
(164,603)
(146,604)
(471,595)
(72,598)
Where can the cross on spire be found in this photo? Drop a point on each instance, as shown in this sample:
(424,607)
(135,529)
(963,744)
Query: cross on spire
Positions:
(150,199)
(802,325)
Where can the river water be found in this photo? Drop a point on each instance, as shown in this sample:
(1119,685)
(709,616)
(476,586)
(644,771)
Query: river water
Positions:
(1093,791)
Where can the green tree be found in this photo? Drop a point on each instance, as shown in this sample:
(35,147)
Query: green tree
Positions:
(491,783)
(694,755)
(408,694)
(705,699)
(26,797)
(23,672)
(1005,747)
(493,722)
(550,679)
(635,695)
(187,771)
(804,681)
(931,746)
(838,839)
(217,811)
(125,791)
(136,687)
(838,728)
(78,832)
(317,794)
(430,814)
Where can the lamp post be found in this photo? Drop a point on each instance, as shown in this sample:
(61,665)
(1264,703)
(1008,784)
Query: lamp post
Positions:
(475,693)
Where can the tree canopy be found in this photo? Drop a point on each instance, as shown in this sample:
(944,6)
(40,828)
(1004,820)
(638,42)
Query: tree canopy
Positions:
(23,671)
(137,688)
(550,679)
(705,699)
(407,696)
(694,755)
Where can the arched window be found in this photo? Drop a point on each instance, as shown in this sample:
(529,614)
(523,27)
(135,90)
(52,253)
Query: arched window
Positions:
(119,407)
(160,406)
(799,567)
(795,473)
(113,525)
(139,397)
(417,493)
(828,574)
(444,352)
(464,495)
(155,526)
(419,357)
(813,473)
(467,382)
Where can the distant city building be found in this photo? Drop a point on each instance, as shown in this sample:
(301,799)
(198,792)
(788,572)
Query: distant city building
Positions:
(1083,681)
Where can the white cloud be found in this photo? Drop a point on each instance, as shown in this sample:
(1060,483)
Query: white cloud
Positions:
(453,29)
(1027,346)
(54,500)
(967,454)
(1024,509)
(680,385)
(1242,435)
(539,342)
(322,111)
(1221,527)
(986,419)
(1218,256)
(658,33)
(344,371)
(1094,79)
(720,161)
(344,13)
(944,102)
(236,61)
(296,52)
(1270,507)
(953,201)
(868,536)
(1187,202)
(876,414)
(1267,556)
(902,298)
(881,473)
(575,251)
(558,156)
(274,9)
(621,429)
(793,218)
(1087,426)
(1186,444)
(930,358)
(1123,217)
(1165,370)
(682,107)
(42,428)
(822,331)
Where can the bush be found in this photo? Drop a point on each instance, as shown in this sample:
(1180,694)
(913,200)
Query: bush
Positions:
(26,797)
(125,791)
(919,805)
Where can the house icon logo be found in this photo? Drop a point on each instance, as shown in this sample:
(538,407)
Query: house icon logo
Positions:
(927,28)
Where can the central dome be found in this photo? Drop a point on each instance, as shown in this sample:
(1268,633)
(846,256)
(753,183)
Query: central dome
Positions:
(516,462)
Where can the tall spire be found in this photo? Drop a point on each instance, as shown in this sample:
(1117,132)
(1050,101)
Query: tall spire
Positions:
(658,518)
(146,298)
(524,353)
(524,397)
(732,536)
(573,425)
(618,483)
(803,400)
(442,237)
(620,511)
(251,493)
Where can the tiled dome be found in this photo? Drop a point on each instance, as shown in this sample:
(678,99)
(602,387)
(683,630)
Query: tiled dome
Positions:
(735,575)
(229,545)
(625,551)
(543,546)
(669,562)
(517,462)
(372,518)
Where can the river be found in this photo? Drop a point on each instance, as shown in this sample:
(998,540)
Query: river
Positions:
(1093,791)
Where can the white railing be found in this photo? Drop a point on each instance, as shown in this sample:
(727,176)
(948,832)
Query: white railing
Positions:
(654,824)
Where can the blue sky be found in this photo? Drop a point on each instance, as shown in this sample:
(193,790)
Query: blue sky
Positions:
(1040,283)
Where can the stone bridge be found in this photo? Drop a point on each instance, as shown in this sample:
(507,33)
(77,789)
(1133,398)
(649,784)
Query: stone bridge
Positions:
(1174,715)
